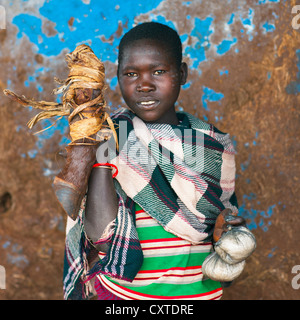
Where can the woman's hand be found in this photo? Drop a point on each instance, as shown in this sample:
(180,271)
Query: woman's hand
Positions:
(224,221)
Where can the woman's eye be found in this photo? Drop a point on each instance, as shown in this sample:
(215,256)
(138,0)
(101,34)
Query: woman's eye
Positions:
(159,72)
(131,74)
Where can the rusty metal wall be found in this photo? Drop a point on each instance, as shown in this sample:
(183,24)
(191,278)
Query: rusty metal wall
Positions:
(244,77)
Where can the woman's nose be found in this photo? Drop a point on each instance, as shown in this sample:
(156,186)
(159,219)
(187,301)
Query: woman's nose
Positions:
(145,85)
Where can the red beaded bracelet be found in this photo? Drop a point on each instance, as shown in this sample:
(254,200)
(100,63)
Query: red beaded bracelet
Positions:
(107,165)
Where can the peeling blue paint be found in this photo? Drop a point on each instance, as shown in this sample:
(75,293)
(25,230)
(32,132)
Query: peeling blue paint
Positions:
(205,117)
(20,261)
(95,24)
(294,86)
(252,215)
(162,19)
(201,33)
(254,142)
(34,78)
(186,3)
(248,23)
(246,164)
(231,19)
(57,222)
(15,254)
(6,244)
(210,95)
(234,142)
(32,153)
(221,72)
(272,252)
(269,27)
(225,45)
(31,26)
(186,86)
(266,1)
(246,145)
(112,82)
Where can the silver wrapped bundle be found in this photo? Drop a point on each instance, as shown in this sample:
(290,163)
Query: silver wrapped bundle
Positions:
(217,269)
(231,251)
(236,245)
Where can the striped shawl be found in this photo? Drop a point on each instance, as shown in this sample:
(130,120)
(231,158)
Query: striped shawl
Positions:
(183,176)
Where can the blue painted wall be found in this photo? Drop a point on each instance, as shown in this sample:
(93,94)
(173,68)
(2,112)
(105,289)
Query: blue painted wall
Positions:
(229,46)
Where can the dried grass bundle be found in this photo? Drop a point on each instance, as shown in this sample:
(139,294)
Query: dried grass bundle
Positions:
(83,102)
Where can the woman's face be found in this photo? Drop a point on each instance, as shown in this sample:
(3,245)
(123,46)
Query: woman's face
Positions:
(150,80)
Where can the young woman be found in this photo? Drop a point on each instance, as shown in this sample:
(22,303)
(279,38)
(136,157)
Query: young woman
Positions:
(146,231)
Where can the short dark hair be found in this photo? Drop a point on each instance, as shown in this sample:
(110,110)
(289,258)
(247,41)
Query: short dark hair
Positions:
(153,31)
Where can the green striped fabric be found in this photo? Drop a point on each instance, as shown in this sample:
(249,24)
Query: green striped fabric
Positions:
(171,268)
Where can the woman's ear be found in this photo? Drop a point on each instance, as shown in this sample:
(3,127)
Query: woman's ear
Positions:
(183,73)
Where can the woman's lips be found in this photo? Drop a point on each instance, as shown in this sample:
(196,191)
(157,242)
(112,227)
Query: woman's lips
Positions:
(149,104)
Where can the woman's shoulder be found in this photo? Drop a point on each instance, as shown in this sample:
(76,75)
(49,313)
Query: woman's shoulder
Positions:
(211,130)
(199,124)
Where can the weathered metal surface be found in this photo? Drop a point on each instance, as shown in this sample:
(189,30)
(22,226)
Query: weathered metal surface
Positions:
(244,77)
